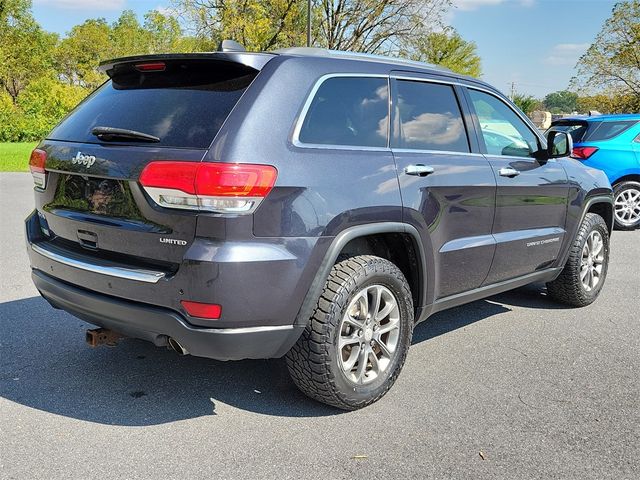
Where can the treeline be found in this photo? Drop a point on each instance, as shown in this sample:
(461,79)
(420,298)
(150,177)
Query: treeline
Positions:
(44,76)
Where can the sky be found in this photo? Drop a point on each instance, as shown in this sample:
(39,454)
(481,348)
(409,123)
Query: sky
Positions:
(533,43)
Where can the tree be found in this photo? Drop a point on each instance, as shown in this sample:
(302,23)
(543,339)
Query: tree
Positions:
(561,102)
(257,24)
(375,26)
(447,49)
(609,103)
(526,103)
(128,37)
(79,54)
(25,49)
(613,60)
(164,32)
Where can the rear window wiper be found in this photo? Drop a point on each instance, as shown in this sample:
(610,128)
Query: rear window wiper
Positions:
(112,133)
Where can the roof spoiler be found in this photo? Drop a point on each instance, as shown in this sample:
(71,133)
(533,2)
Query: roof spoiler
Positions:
(254,61)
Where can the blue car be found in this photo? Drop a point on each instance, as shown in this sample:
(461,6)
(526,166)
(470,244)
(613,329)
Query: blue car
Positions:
(611,143)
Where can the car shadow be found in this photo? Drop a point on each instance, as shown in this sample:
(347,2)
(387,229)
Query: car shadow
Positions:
(45,364)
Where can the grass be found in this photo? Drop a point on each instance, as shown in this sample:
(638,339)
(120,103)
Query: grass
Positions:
(14,157)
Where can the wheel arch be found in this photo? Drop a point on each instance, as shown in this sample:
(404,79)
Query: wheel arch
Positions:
(352,240)
(632,177)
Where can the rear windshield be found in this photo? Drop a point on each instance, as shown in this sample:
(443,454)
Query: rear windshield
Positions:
(184,106)
(582,131)
(575,129)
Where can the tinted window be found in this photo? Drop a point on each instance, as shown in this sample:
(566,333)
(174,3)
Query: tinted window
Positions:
(430,118)
(348,111)
(184,108)
(607,130)
(503,131)
(575,129)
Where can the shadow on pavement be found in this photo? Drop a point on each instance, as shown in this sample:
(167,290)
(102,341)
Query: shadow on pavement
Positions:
(45,364)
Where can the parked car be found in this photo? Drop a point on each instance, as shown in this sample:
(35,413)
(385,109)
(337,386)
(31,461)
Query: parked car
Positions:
(304,203)
(611,143)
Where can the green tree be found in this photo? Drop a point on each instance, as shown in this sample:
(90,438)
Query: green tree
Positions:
(164,32)
(79,54)
(128,37)
(561,102)
(25,49)
(526,103)
(448,49)
(613,60)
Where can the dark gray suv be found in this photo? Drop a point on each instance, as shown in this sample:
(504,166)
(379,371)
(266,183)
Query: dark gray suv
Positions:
(304,203)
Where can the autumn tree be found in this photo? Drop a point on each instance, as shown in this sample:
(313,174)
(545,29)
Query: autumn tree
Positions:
(447,49)
(372,26)
(613,60)
(257,24)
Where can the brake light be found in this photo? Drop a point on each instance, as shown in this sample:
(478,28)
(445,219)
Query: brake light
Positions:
(37,163)
(151,67)
(216,187)
(582,153)
(202,310)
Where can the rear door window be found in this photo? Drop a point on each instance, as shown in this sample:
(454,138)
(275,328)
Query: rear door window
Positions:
(430,118)
(349,111)
(608,130)
(184,106)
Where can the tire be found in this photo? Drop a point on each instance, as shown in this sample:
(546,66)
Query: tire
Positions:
(626,201)
(325,371)
(573,286)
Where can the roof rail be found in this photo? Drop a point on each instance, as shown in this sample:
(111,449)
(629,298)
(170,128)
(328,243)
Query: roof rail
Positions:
(325,52)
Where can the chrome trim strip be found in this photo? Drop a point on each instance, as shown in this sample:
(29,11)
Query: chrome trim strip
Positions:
(242,330)
(437,152)
(139,275)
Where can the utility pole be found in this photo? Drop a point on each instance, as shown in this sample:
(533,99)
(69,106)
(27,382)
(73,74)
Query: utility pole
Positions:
(513,90)
(308,23)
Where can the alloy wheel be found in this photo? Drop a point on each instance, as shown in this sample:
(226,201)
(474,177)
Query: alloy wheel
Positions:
(627,206)
(592,261)
(369,334)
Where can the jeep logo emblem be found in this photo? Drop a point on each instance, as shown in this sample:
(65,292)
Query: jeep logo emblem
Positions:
(172,241)
(86,160)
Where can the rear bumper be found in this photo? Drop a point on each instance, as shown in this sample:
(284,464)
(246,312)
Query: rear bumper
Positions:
(157,324)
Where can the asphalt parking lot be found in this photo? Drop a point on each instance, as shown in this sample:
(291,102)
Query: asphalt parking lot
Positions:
(514,386)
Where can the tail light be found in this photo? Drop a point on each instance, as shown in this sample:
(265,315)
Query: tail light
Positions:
(215,187)
(582,153)
(37,163)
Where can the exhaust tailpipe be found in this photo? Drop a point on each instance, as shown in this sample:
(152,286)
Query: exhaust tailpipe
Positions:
(177,347)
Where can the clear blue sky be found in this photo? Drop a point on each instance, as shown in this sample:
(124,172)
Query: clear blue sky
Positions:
(534,43)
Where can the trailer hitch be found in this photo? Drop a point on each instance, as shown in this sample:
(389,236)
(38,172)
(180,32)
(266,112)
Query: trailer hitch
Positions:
(102,336)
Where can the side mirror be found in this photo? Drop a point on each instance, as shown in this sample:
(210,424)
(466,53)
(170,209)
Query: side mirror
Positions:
(559,144)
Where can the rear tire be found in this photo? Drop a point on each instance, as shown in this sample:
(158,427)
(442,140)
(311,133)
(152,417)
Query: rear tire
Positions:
(585,272)
(357,340)
(626,200)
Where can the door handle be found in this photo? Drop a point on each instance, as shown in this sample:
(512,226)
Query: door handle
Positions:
(418,170)
(508,172)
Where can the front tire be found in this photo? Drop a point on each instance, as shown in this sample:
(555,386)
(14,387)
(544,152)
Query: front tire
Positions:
(357,340)
(626,201)
(583,276)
